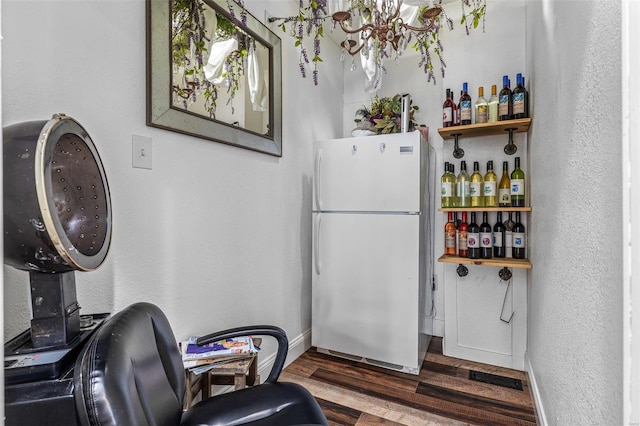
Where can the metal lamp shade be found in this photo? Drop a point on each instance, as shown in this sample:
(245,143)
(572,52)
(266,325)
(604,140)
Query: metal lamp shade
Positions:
(57,207)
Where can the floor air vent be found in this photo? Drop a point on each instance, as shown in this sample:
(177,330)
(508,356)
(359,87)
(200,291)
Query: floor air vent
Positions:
(493,379)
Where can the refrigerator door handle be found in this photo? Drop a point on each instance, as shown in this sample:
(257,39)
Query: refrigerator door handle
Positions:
(317,179)
(316,258)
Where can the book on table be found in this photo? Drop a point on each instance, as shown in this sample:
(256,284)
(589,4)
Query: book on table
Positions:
(202,358)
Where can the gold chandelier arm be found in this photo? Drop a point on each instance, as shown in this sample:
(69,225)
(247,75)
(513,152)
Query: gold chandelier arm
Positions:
(419,29)
(396,13)
(349,48)
(369,27)
(430,15)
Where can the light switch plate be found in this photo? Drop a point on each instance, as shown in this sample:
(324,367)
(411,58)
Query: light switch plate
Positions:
(142,152)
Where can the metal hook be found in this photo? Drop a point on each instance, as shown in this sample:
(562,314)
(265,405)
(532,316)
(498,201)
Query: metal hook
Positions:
(506,292)
(462,270)
(457,151)
(505,274)
(510,148)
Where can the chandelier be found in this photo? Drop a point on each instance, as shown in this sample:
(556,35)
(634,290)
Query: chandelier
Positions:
(377,30)
(384,26)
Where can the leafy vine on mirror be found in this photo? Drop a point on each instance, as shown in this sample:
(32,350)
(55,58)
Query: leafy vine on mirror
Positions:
(193,35)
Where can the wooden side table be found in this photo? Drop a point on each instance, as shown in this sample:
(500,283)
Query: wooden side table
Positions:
(240,373)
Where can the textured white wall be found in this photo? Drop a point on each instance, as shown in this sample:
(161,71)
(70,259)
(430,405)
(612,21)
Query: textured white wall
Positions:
(215,235)
(631,207)
(575,321)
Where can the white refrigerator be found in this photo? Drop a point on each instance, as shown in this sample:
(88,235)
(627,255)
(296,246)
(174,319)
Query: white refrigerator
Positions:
(372,294)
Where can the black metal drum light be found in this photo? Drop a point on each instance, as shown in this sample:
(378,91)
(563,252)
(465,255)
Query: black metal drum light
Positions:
(57,218)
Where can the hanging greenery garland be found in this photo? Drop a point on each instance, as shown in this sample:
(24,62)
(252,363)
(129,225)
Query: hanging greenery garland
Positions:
(312,15)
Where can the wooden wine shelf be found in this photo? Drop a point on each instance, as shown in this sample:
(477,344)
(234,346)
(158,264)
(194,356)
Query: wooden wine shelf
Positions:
(484,209)
(486,129)
(499,262)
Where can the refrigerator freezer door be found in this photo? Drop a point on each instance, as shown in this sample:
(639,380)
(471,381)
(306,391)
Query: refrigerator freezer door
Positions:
(372,173)
(365,287)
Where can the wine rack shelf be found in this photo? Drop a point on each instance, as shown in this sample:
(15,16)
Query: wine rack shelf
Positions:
(476,130)
(500,262)
(486,129)
(484,209)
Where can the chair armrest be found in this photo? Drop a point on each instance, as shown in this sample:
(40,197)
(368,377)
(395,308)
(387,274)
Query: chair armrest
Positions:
(260,330)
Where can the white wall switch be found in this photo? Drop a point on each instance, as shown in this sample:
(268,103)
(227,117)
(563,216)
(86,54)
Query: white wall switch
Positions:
(142,152)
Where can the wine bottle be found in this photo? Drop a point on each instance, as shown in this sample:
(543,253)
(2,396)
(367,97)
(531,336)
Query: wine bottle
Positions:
(463,250)
(473,238)
(493,105)
(456,223)
(452,174)
(447,111)
(520,98)
(519,239)
(482,107)
(486,238)
(450,236)
(475,187)
(517,185)
(462,186)
(504,188)
(499,237)
(465,106)
(489,187)
(508,236)
(447,183)
(505,103)
(456,109)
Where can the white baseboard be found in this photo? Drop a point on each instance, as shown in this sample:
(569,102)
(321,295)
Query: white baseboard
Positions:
(438,327)
(298,346)
(535,393)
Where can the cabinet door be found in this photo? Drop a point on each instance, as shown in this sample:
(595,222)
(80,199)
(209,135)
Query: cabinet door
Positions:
(473,308)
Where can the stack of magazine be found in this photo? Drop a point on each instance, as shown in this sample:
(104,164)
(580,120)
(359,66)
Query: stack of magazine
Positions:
(199,359)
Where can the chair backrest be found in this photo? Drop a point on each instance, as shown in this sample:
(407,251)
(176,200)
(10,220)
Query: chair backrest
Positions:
(131,372)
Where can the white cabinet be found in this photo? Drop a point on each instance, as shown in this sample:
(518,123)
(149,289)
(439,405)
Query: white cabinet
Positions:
(476,326)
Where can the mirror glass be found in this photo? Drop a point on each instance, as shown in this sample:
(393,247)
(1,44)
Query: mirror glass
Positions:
(214,71)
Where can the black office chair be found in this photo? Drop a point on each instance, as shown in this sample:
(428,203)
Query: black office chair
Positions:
(131,374)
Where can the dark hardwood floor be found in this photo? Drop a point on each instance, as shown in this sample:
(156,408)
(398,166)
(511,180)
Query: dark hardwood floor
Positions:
(352,393)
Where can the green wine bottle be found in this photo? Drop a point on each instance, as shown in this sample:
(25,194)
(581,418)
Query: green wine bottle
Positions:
(462,186)
(447,184)
(475,187)
(490,187)
(517,185)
